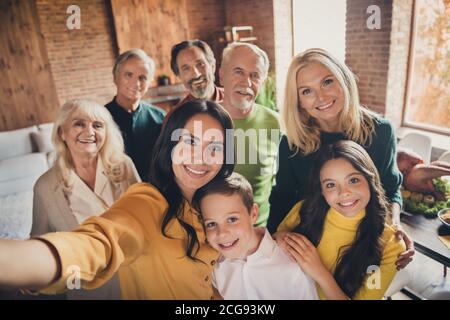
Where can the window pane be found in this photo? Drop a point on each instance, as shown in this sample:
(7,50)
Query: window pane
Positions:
(429,87)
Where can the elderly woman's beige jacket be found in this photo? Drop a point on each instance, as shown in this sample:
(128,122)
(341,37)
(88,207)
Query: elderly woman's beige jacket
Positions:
(52,211)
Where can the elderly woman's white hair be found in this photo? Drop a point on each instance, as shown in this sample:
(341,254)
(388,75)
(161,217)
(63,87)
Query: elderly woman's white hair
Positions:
(257,50)
(112,151)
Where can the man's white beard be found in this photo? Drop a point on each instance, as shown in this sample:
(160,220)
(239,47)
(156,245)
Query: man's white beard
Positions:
(243,104)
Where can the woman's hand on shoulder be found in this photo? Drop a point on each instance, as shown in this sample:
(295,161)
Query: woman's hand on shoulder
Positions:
(306,255)
(279,237)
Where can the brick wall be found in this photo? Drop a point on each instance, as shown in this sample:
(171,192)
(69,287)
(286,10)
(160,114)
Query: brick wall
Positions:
(81,60)
(398,60)
(205,17)
(206,20)
(367,51)
(283,39)
(258,14)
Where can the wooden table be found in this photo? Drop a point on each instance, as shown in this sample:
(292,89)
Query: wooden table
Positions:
(425,234)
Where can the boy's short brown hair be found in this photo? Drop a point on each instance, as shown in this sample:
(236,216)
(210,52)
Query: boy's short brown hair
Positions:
(234,184)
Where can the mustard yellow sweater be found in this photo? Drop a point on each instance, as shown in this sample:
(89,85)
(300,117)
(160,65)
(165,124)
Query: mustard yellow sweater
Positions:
(127,238)
(340,231)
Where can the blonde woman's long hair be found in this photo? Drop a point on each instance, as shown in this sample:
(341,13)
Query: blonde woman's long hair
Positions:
(303,132)
(112,152)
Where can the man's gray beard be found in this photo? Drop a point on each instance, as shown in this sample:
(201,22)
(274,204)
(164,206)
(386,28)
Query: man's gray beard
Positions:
(200,93)
(243,105)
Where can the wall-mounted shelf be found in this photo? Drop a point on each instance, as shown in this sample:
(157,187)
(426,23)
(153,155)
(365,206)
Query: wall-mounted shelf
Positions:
(239,34)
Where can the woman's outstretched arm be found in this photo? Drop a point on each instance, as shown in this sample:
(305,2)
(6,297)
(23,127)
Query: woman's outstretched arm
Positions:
(31,264)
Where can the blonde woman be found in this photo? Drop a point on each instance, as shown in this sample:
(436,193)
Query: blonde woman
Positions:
(90,173)
(321,107)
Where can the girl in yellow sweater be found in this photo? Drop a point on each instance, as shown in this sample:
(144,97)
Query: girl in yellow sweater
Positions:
(340,236)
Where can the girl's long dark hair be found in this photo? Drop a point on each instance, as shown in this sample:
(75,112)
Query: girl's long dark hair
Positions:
(366,249)
(161,172)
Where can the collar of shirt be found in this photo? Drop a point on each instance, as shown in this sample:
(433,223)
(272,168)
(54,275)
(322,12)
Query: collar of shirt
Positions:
(250,117)
(101,179)
(218,94)
(343,222)
(265,249)
(84,202)
(216,97)
(124,112)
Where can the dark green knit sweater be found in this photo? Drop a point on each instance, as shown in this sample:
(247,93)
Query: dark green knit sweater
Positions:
(293,170)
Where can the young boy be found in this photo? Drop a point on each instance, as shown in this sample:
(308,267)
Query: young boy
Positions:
(251,265)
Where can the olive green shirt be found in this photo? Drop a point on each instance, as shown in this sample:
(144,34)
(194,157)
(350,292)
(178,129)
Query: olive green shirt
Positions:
(256,144)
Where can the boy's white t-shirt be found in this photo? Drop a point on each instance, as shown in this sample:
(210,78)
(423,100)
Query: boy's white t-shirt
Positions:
(267,274)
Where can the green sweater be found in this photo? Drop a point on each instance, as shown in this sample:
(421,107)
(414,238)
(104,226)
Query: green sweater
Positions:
(256,144)
(292,175)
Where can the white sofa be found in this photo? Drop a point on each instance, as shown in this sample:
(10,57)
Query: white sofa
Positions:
(25,154)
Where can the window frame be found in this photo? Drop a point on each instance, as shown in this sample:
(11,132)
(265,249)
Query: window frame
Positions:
(409,81)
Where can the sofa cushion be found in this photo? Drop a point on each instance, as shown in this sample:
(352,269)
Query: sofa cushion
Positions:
(17,215)
(46,126)
(43,140)
(14,170)
(16,142)
(18,185)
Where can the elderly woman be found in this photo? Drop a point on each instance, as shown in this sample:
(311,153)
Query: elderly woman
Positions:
(91,172)
(322,107)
